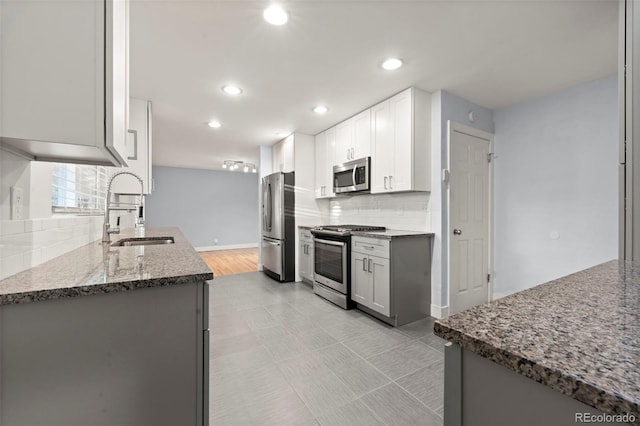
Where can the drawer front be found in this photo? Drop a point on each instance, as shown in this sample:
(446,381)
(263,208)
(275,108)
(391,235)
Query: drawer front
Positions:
(371,246)
(305,235)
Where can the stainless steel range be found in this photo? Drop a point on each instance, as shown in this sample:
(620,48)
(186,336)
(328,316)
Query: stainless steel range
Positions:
(332,261)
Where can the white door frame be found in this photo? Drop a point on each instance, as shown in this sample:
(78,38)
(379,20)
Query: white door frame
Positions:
(471,131)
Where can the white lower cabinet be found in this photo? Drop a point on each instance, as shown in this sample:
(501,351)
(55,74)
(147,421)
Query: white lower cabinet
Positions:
(391,278)
(305,251)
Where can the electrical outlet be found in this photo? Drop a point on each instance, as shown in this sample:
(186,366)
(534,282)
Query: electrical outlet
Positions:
(17,203)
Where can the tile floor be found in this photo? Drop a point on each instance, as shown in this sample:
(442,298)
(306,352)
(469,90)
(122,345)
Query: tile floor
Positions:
(281,355)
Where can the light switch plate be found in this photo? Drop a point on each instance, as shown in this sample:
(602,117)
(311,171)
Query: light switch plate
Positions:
(17,203)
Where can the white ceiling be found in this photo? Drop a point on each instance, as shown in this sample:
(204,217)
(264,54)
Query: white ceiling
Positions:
(493,53)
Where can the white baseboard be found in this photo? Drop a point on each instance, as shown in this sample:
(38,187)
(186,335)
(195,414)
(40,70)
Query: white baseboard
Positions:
(227,247)
(439,311)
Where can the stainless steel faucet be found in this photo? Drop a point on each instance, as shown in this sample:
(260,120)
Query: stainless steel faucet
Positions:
(107,230)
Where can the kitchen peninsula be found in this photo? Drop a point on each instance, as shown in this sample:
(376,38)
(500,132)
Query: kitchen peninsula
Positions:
(107,335)
(554,354)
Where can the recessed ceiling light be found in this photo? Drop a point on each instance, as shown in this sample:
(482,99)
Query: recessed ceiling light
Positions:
(231,90)
(320,109)
(275,15)
(281,134)
(392,64)
(214,124)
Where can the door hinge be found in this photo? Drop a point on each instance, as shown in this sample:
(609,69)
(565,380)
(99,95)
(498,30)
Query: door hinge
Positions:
(445,175)
(489,157)
(488,278)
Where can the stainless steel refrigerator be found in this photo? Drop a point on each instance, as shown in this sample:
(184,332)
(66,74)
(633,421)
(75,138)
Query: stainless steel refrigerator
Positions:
(278,226)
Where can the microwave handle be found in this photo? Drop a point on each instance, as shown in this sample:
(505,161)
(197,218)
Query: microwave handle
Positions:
(353,175)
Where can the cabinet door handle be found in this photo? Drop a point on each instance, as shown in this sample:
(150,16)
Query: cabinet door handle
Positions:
(364,265)
(385,182)
(390,185)
(352,154)
(135,145)
(369,265)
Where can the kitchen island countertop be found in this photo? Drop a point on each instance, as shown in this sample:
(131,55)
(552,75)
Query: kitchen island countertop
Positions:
(101,268)
(579,335)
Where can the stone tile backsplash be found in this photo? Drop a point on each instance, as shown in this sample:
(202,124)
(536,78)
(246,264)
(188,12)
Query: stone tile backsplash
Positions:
(407,211)
(27,243)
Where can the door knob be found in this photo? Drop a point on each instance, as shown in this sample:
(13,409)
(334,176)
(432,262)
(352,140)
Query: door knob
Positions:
(457,232)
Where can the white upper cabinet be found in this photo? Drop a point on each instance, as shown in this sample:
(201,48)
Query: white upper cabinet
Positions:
(325,149)
(382,158)
(284,155)
(64,79)
(401,159)
(344,142)
(362,135)
(139,148)
(288,154)
(353,138)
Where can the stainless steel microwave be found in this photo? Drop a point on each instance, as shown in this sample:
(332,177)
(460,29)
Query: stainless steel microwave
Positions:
(353,176)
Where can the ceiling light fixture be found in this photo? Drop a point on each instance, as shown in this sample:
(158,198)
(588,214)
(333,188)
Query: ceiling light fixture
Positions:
(231,90)
(214,124)
(235,165)
(275,15)
(281,134)
(392,64)
(320,109)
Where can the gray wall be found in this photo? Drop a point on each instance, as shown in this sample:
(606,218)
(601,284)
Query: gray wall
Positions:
(556,188)
(206,205)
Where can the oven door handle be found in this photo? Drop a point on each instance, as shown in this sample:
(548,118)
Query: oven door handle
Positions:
(331,243)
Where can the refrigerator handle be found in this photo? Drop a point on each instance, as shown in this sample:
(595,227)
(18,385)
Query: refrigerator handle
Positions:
(264,204)
(270,211)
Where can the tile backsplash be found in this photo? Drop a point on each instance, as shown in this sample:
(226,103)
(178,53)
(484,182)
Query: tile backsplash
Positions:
(407,211)
(27,243)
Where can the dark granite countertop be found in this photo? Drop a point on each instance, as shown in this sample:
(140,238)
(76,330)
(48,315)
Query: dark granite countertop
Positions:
(99,268)
(391,233)
(308,226)
(579,335)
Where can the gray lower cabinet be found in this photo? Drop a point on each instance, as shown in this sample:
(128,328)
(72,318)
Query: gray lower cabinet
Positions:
(370,284)
(305,251)
(390,278)
(129,358)
(478,391)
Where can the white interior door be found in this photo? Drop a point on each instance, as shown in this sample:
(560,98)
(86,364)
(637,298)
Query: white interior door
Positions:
(469,217)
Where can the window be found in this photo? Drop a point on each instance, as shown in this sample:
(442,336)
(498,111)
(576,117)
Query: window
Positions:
(78,188)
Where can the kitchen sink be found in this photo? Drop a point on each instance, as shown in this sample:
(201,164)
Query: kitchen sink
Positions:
(144,241)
